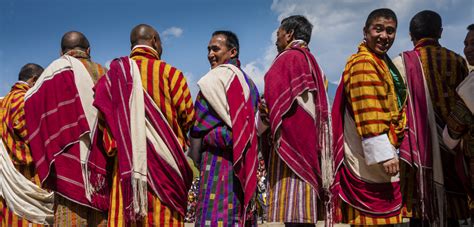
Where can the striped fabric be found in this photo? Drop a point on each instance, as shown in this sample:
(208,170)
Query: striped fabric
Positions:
(68,213)
(352,216)
(14,135)
(220,199)
(290,198)
(14,132)
(372,96)
(218,202)
(168,88)
(95,70)
(444,70)
(158,213)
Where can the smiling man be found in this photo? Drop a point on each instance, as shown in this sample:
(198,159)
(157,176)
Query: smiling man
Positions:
(369,122)
(224,137)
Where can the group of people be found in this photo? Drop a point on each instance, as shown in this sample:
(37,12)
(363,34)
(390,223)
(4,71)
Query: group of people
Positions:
(83,145)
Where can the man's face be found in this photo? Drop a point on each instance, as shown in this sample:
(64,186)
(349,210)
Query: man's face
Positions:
(469,47)
(283,39)
(218,52)
(380,34)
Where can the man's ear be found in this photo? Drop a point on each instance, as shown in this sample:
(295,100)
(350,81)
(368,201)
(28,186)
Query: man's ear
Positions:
(88,51)
(233,52)
(290,35)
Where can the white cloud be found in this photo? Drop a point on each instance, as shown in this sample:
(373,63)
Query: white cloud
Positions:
(338,28)
(172,32)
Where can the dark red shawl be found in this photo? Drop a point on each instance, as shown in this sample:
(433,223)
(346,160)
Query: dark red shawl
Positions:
(294,72)
(56,120)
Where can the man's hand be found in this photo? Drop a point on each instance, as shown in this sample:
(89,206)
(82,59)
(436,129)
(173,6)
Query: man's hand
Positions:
(391,166)
(263,110)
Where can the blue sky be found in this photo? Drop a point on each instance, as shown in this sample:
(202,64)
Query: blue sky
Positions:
(30,31)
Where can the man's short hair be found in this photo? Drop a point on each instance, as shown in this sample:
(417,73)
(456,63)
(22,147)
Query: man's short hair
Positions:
(470,27)
(425,24)
(301,27)
(382,12)
(232,40)
(30,70)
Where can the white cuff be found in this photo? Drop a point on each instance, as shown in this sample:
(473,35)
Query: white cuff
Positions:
(448,140)
(377,149)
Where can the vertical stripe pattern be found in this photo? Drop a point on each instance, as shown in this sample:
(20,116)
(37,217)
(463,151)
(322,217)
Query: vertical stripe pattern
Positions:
(169,90)
(290,198)
(444,70)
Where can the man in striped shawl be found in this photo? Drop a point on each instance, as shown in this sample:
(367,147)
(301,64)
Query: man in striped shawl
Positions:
(15,136)
(368,125)
(147,111)
(459,129)
(298,114)
(432,74)
(224,137)
(60,117)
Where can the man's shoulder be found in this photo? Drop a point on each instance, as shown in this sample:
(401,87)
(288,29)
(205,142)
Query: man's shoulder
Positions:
(359,59)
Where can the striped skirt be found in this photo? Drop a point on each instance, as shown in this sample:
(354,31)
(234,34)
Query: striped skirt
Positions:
(8,218)
(290,198)
(218,203)
(68,213)
(158,213)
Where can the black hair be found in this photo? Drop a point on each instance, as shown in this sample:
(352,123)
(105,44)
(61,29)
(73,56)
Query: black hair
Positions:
(425,24)
(231,40)
(382,12)
(470,27)
(301,27)
(30,70)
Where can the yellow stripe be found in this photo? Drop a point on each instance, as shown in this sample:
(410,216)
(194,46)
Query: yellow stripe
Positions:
(282,196)
(156,81)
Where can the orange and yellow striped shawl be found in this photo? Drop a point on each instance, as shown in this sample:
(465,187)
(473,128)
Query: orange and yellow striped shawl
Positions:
(168,88)
(372,97)
(14,135)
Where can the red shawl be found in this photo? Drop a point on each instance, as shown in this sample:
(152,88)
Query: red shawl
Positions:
(294,72)
(56,120)
(112,97)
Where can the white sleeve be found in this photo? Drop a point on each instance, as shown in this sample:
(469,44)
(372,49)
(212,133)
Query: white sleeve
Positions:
(448,140)
(378,149)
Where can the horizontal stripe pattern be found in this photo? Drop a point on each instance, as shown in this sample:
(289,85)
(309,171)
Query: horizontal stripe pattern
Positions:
(371,96)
